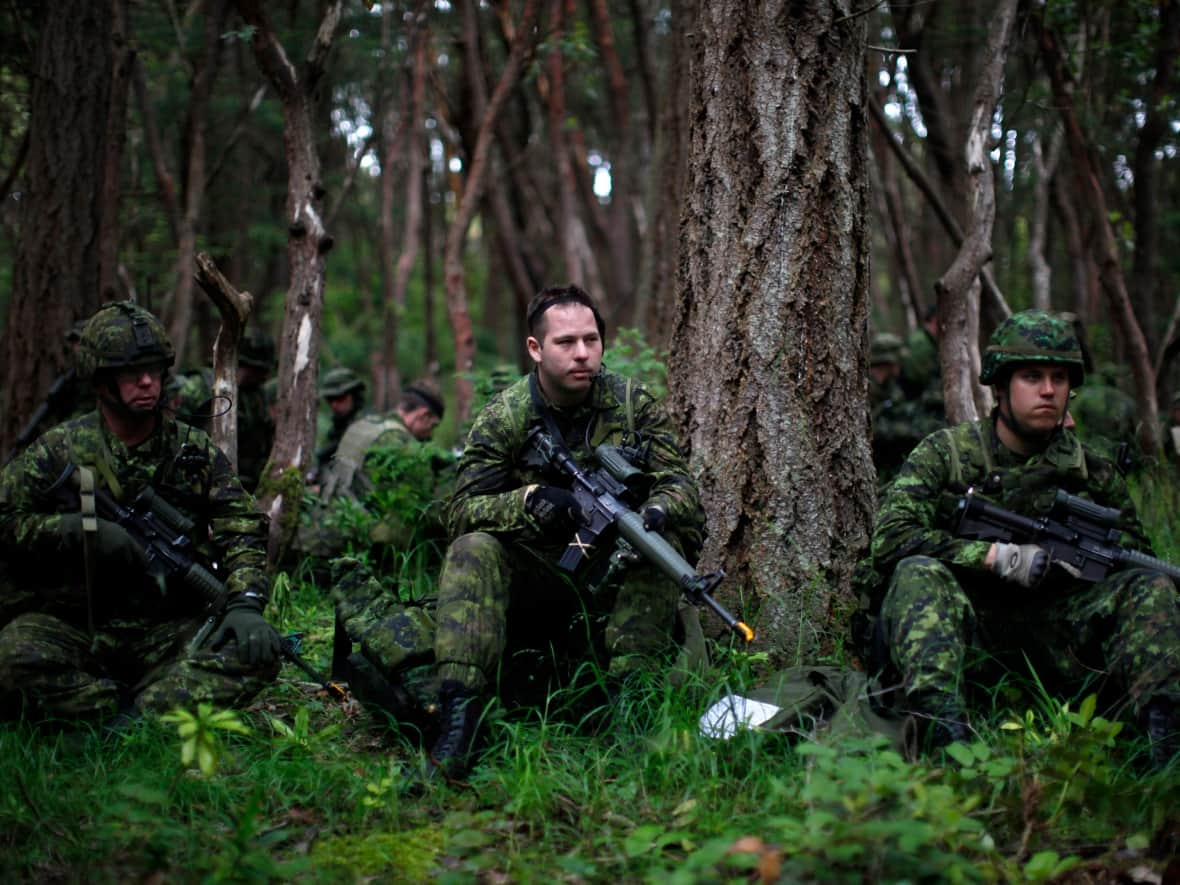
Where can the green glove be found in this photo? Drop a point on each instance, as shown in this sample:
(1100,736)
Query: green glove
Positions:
(113,544)
(258,641)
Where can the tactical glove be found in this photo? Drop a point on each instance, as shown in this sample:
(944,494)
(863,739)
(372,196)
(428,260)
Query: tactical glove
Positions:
(550,506)
(258,641)
(655,518)
(112,542)
(1023,564)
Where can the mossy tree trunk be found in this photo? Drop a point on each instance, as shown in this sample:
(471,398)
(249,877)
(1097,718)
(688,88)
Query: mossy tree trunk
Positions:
(769,343)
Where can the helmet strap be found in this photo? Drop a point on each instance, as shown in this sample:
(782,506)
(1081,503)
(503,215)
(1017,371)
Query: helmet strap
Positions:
(1027,434)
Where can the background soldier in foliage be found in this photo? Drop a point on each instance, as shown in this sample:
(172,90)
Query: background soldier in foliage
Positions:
(510,523)
(950,598)
(344,392)
(387,489)
(921,369)
(86,630)
(898,423)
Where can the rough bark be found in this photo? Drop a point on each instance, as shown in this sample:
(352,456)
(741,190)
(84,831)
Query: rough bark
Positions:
(1107,255)
(457,310)
(234,308)
(56,267)
(958,289)
(771,329)
(308,243)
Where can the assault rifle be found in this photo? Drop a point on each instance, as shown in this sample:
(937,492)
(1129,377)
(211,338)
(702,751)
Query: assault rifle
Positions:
(165,534)
(600,495)
(54,399)
(1078,534)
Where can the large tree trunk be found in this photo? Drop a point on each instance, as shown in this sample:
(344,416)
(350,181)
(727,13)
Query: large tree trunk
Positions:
(769,384)
(958,288)
(1109,267)
(281,486)
(56,269)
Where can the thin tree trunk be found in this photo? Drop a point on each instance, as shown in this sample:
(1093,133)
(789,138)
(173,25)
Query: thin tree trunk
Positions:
(281,486)
(566,188)
(411,233)
(769,382)
(1155,126)
(1079,260)
(122,58)
(1109,268)
(656,298)
(1039,270)
(958,304)
(205,72)
(457,310)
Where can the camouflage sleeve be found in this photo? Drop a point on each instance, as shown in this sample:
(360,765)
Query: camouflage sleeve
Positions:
(488,494)
(1109,489)
(674,489)
(30,525)
(908,523)
(239,530)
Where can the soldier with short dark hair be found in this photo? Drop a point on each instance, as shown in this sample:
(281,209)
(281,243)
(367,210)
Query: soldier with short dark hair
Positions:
(947,598)
(85,630)
(510,522)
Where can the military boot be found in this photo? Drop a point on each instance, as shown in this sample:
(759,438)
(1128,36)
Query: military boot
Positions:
(459,717)
(1162,723)
(944,718)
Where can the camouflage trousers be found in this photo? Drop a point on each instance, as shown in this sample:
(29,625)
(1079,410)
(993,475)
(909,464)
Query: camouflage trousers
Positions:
(54,669)
(1119,636)
(488,590)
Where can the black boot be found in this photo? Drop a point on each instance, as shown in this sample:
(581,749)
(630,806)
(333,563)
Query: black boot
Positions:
(459,717)
(1162,722)
(945,722)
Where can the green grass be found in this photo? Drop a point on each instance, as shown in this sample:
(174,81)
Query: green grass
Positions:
(317,790)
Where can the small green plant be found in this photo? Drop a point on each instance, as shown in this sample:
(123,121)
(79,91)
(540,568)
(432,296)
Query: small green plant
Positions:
(198,734)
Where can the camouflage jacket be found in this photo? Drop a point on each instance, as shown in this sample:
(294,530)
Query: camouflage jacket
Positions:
(179,461)
(492,476)
(917,514)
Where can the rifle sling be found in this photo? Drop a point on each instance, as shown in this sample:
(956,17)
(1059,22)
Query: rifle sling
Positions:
(89,539)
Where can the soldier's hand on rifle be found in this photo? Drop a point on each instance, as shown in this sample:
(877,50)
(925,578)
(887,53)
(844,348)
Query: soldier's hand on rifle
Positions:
(112,542)
(655,518)
(258,642)
(1023,564)
(551,506)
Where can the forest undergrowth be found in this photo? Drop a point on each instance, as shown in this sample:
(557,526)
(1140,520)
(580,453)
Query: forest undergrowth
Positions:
(302,786)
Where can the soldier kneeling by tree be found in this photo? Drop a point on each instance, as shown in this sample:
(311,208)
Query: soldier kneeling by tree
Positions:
(92,626)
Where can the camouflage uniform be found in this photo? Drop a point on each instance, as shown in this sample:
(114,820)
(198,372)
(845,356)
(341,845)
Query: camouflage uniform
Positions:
(943,605)
(71,651)
(1108,421)
(898,423)
(338,382)
(921,369)
(501,562)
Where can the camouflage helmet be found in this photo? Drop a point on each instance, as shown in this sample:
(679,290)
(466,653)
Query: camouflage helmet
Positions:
(885,348)
(122,335)
(257,349)
(338,382)
(1032,336)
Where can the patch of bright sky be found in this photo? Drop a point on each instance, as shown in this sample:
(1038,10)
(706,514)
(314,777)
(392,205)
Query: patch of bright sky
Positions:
(602,177)
(904,103)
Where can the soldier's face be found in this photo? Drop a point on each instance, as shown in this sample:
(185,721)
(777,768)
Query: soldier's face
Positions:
(421,423)
(340,405)
(1037,396)
(139,387)
(569,354)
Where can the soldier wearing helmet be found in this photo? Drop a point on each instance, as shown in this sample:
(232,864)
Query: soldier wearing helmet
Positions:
(898,423)
(946,603)
(86,631)
(344,392)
